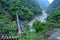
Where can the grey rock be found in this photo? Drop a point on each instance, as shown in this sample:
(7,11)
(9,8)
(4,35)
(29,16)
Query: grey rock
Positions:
(55,36)
(50,32)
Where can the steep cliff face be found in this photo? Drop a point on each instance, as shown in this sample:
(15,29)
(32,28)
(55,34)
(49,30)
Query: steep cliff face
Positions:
(54,4)
(43,4)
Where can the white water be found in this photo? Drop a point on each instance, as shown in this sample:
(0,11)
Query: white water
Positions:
(41,18)
(18,25)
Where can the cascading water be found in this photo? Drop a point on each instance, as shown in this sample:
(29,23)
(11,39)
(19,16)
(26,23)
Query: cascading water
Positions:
(44,4)
(18,24)
(41,18)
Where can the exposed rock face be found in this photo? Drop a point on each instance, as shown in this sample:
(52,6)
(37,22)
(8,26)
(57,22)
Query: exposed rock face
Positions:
(38,38)
(53,34)
(50,32)
(54,4)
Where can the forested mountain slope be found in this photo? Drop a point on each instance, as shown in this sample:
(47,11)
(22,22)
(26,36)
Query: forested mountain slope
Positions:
(54,12)
(25,8)
(53,18)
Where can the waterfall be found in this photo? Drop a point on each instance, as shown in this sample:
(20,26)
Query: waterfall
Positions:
(18,24)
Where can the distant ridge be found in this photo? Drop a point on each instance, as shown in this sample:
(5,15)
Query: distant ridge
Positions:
(43,4)
(54,4)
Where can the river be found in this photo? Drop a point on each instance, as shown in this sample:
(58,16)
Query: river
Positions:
(41,18)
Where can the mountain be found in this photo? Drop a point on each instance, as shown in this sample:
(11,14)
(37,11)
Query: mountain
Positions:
(54,4)
(43,4)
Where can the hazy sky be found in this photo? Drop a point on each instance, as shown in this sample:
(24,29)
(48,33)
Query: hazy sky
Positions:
(50,1)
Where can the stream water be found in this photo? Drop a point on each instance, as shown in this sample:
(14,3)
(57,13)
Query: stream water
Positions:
(41,18)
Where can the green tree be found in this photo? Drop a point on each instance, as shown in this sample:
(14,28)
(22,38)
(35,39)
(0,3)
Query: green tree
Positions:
(38,26)
(54,16)
(23,7)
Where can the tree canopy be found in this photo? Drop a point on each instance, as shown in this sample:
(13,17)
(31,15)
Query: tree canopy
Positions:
(23,7)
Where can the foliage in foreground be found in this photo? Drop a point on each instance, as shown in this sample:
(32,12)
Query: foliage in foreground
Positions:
(39,26)
(7,26)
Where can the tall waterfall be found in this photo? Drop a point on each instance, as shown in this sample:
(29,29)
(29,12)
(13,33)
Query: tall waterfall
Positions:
(18,25)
